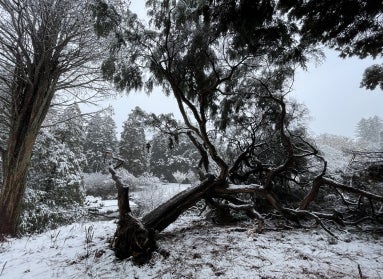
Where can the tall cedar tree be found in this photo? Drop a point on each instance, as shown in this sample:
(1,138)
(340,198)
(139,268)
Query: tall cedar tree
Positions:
(100,138)
(132,146)
(45,46)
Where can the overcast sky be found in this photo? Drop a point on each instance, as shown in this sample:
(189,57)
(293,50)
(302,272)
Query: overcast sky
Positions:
(330,91)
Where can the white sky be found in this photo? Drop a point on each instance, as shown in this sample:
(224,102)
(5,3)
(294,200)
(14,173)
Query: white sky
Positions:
(330,91)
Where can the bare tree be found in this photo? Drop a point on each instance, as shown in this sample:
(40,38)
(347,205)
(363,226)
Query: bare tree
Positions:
(45,46)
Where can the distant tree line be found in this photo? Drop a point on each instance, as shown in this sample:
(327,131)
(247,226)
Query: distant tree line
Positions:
(371,130)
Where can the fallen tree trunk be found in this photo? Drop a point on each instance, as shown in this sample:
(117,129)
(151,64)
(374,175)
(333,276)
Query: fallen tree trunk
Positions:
(135,238)
(131,238)
(168,212)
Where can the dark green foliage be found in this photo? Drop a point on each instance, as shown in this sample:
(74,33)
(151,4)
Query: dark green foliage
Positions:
(165,161)
(132,147)
(373,77)
(105,17)
(353,27)
(256,28)
(124,73)
(100,137)
(260,136)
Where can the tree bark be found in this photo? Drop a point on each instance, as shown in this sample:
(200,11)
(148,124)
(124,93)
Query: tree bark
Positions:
(12,192)
(168,212)
(131,237)
(135,238)
(24,129)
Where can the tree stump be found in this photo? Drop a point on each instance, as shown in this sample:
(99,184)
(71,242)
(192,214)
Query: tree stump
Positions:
(135,238)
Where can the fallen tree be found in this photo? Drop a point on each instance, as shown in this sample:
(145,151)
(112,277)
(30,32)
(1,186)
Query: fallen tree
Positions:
(231,95)
(136,238)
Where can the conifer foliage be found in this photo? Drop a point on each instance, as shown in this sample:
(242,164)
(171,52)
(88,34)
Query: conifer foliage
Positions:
(55,186)
(370,129)
(100,138)
(353,27)
(132,146)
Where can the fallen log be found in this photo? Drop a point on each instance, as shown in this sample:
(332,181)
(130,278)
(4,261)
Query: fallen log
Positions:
(165,214)
(135,238)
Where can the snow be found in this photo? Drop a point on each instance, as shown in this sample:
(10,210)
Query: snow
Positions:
(336,159)
(197,249)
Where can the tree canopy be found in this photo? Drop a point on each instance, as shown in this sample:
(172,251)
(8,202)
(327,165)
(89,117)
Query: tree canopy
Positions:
(353,27)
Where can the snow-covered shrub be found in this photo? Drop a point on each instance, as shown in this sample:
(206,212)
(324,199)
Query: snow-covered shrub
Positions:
(185,177)
(148,180)
(55,186)
(102,185)
(148,199)
(151,192)
(179,176)
(99,185)
(41,212)
(56,170)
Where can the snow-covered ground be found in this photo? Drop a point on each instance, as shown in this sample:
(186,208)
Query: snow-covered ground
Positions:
(197,250)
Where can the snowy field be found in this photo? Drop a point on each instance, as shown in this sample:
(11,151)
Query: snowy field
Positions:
(197,250)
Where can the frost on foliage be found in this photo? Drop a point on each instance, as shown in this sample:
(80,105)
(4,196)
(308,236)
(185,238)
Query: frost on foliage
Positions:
(371,130)
(55,187)
(42,211)
(337,150)
(132,147)
(99,185)
(100,136)
(165,161)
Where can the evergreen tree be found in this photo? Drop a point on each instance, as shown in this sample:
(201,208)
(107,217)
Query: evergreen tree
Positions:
(370,129)
(160,157)
(100,137)
(56,169)
(132,147)
(55,184)
(45,46)
(71,129)
(168,156)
